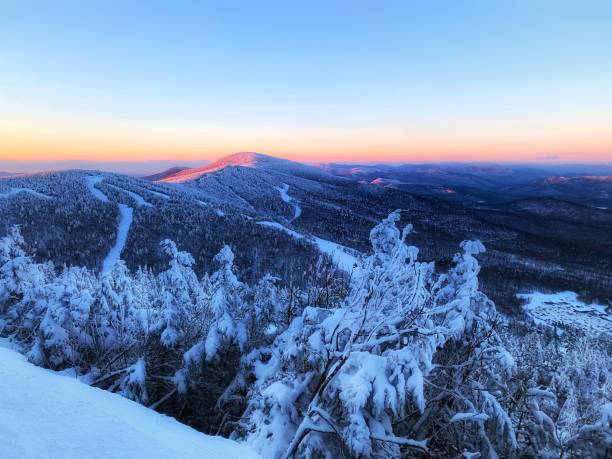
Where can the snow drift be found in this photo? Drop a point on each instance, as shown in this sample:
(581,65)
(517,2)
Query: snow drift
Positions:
(47,415)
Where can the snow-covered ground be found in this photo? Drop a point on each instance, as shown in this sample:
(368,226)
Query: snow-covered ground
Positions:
(247,160)
(91,181)
(125,221)
(14,191)
(47,415)
(297,210)
(566,308)
(340,255)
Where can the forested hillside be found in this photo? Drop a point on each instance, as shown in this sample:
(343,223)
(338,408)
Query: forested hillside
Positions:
(405,360)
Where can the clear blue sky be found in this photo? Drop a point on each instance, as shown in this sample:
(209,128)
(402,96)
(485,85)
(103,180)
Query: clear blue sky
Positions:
(311,80)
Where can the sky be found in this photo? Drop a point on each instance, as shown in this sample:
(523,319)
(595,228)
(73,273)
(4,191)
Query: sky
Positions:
(377,81)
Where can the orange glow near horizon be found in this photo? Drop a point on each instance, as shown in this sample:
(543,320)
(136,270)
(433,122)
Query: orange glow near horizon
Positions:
(388,82)
(517,144)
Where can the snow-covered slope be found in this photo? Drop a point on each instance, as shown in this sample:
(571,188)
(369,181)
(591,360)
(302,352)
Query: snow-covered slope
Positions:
(247,159)
(565,308)
(344,258)
(47,415)
(167,173)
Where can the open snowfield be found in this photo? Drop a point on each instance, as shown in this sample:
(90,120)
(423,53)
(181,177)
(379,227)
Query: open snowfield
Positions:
(566,308)
(47,415)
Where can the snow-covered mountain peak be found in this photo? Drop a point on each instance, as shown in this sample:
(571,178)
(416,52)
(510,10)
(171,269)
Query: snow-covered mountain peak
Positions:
(246,159)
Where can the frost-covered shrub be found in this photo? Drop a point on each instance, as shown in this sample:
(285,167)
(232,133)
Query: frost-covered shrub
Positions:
(354,380)
(407,362)
(183,297)
(562,384)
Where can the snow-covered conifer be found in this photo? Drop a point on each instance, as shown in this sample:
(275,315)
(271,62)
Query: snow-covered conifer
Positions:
(22,285)
(133,382)
(182,301)
(226,307)
(66,330)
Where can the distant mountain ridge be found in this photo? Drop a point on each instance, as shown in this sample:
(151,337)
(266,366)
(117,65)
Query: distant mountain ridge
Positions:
(167,173)
(249,160)
(578,178)
(555,232)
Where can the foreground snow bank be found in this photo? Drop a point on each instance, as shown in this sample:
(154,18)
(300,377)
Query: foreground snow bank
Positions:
(47,415)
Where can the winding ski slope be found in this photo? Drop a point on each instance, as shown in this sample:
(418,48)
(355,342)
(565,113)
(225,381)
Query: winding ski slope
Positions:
(126,214)
(338,253)
(297,210)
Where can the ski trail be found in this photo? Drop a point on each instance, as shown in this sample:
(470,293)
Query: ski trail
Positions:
(159,194)
(140,201)
(297,210)
(14,191)
(123,228)
(126,215)
(92,181)
(339,254)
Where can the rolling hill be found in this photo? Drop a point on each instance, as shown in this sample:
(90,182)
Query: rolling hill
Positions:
(534,240)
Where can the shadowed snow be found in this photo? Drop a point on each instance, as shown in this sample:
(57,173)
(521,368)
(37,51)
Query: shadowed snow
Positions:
(54,416)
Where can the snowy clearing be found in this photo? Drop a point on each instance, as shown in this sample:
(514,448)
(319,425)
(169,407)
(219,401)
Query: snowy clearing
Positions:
(140,201)
(92,181)
(125,221)
(47,415)
(566,308)
(14,191)
(297,210)
(339,254)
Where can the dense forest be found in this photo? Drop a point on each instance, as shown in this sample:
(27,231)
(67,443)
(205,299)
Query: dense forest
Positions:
(394,359)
